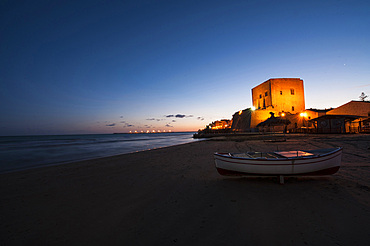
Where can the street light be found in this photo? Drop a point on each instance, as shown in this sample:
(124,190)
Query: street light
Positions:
(303,115)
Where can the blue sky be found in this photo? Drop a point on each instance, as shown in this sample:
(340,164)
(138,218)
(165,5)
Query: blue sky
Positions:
(69,67)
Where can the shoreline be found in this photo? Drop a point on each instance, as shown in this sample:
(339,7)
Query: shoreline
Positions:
(174,195)
(86,159)
(34,152)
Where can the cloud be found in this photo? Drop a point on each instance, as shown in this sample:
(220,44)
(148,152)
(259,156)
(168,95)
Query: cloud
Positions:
(125,124)
(154,119)
(178,116)
(200,118)
(173,120)
(113,124)
(168,125)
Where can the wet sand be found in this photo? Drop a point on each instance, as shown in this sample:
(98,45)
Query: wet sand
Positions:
(174,196)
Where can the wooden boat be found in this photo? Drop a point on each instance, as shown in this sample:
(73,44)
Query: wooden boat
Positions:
(279,163)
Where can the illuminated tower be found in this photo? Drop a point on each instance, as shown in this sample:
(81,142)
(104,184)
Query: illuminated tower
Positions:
(280,95)
(277,96)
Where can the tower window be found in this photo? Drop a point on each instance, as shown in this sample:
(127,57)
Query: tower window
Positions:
(292,91)
(281,92)
(260,95)
(266,94)
(292,108)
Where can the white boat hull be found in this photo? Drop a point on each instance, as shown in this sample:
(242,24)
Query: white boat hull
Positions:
(324,164)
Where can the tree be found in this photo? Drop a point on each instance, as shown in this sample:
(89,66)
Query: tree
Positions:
(363,96)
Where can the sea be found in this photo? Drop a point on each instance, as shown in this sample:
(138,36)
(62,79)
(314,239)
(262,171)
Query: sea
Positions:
(25,152)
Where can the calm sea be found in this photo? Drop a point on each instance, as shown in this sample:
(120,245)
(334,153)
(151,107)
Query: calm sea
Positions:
(23,152)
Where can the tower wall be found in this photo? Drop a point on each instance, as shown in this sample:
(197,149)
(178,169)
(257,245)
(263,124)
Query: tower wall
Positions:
(282,95)
(277,95)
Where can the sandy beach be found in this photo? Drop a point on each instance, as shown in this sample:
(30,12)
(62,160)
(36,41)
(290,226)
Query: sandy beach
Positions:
(174,196)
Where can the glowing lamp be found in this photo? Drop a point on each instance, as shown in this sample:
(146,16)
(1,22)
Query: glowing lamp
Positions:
(240,112)
(282,114)
(253,108)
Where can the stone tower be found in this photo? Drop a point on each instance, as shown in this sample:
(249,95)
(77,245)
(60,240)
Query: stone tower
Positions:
(280,95)
(277,96)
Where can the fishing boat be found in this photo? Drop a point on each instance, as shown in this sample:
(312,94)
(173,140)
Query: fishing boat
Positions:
(280,163)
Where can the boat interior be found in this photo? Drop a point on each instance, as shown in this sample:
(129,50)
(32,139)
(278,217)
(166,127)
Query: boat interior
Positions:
(283,154)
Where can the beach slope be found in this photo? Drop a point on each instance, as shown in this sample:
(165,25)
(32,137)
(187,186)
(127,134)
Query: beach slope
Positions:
(174,196)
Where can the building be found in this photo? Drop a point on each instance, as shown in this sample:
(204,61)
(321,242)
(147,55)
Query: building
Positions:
(284,98)
(221,124)
(351,117)
(356,108)
(312,113)
(282,95)
(241,121)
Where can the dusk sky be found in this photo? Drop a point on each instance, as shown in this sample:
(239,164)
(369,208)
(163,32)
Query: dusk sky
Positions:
(71,67)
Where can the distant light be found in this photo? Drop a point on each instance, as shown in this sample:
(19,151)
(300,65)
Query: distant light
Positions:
(253,108)
(303,114)
(282,114)
(240,112)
